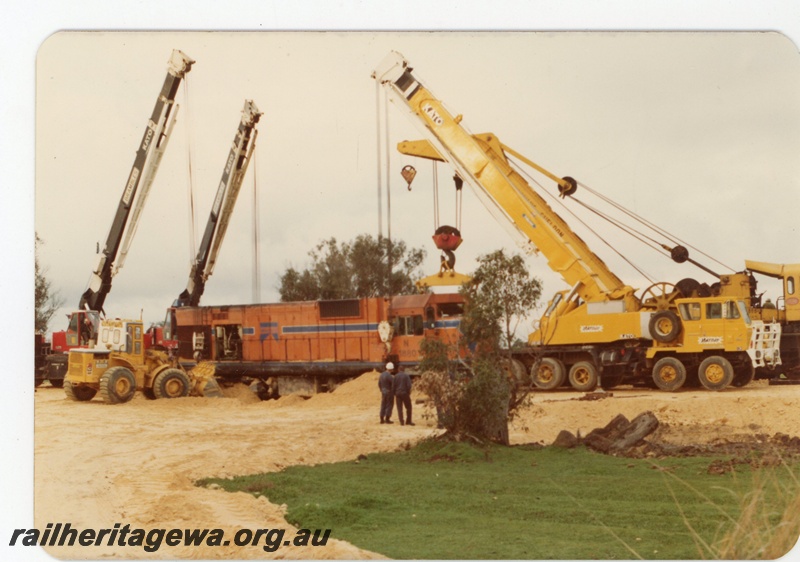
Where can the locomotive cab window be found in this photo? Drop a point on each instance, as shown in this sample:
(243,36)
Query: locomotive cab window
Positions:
(447,309)
(409,325)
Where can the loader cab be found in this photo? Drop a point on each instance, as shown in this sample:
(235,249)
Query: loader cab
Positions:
(121,336)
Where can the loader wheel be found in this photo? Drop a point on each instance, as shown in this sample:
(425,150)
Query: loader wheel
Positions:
(56,383)
(117,385)
(172,383)
(79,393)
(669,374)
(715,373)
(583,376)
(548,373)
(665,325)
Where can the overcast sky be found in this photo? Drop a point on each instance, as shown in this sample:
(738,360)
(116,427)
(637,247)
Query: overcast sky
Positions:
(697,132)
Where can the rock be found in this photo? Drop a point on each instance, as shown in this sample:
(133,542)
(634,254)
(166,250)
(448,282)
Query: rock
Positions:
(566,440)
(620,434)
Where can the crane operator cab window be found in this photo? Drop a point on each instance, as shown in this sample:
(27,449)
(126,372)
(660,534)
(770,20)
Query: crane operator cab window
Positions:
(719,310)
(690,311)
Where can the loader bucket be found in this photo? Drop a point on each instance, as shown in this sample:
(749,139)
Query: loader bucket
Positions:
(203,381)
(209,388)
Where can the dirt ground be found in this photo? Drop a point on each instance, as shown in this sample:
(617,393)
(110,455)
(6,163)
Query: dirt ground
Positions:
(135,463)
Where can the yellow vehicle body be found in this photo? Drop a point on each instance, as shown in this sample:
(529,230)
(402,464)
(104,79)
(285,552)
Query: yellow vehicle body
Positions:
(598,328)
(714,336)
(119,365)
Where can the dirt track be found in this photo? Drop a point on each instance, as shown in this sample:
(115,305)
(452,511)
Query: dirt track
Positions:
(97,465)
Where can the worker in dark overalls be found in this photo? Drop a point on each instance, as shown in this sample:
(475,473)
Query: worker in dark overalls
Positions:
(402,393)
(386,386)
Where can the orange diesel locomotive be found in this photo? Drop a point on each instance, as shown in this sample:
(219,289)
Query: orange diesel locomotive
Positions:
(309,347)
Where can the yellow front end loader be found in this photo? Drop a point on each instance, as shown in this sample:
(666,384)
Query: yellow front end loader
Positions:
(120,364)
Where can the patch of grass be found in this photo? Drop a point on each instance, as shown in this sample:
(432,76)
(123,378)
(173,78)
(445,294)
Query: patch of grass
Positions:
(443,500)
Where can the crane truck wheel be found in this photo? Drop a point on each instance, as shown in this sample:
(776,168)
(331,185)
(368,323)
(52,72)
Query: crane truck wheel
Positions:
(172,383)
(117,385)
(548,373)
(715,373)
(665,325)
(583,376)
(79,393)
(743,374)
(669,374)
(516,372)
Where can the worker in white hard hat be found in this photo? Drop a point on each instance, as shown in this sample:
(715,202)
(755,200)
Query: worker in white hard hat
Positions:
(386,386)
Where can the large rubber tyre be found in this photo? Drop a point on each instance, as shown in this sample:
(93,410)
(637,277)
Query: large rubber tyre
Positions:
(171,383)
(79,393)
(583,376)
(516,372)
(743,374)
(117,385)
(665,325)
(669,374)
(548,373)
(715,373)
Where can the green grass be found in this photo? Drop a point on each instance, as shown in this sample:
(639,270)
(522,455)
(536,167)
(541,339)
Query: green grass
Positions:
(448,501)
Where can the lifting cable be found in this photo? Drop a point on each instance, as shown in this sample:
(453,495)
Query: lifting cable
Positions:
(525,173)
(384,175)
(388,194)
(459,202)
(256,235)
(674,239)
(379,167)
(435,195)
(192,211)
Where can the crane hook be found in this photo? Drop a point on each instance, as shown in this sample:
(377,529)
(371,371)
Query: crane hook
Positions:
(408,172)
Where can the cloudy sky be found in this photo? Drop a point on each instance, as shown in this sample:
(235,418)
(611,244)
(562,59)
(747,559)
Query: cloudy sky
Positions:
(698,132)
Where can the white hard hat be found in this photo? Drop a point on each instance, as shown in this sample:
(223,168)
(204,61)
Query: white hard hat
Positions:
(389,366)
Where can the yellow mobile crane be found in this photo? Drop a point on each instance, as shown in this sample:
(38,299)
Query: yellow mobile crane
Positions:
(598,326)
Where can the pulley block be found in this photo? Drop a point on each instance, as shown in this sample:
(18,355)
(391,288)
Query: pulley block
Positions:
(447,238)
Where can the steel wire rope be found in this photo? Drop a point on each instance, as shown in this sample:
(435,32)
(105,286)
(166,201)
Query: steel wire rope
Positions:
(663,232)
(459,204)
(388,195)
(525,173)
(378,159)
(435,194)
(190,164)
(256,235)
